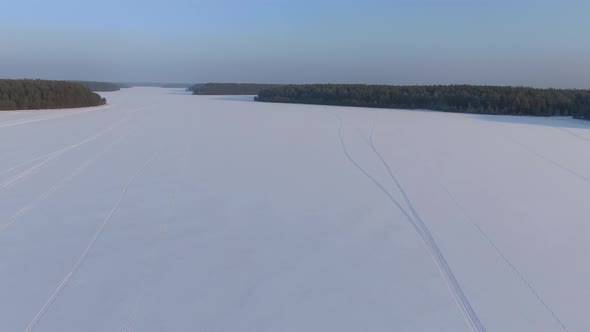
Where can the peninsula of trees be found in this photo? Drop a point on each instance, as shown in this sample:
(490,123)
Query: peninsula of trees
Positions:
(229,88)
(42,94)
(451,98)
(100,86)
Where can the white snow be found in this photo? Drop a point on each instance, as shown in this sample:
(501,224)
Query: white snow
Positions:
(171,212)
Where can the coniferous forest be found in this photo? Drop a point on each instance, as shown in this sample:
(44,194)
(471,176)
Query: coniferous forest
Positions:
(449,98)
(100,86)
(43,94)
(229,88)
(176,85)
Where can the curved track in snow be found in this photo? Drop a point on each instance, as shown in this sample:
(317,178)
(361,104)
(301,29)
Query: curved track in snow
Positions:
(462,302)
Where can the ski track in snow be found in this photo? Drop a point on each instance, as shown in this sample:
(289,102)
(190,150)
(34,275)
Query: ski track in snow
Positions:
(64,181)
(135,311)
(523,279)
(48,155)
(514,269)
(61,114)
(130,317)
(551,161)
(27,162)
(460,297)
(462,302)
(571,133)
(30,205)
(88,248)
(47,159)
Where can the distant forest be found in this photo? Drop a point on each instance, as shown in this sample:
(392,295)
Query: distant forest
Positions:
(42,94)
(107,86)
(451,98)
(154,85)
(229,88)
(176,85)
(100,86)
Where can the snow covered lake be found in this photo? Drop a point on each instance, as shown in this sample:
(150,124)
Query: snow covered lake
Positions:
(171,212)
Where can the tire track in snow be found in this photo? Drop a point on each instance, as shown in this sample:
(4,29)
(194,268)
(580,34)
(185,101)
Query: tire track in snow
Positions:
(551,161)
(130,317)
(51,153)
(30,205)
(458,293)
(571,133)
(88,248)
(462,302)
(29,171)
(26,163)
(135,311)
(51,117)
(61,183)
(45,160)
(362,170)
(506,260)
(483,233)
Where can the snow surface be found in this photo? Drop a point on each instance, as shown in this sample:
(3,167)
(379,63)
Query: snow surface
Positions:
(170,212)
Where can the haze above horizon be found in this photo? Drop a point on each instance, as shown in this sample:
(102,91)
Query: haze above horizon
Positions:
(527,43)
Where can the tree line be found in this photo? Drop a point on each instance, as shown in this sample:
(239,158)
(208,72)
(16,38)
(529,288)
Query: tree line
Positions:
(229,88)
(108,86)
(176,85)
(100,86)
(43,94)
(448,98)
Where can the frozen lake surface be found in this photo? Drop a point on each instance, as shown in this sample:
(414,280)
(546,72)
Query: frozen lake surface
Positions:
(170,212)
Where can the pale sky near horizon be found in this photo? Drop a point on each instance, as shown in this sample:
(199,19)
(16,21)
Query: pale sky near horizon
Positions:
(520,42)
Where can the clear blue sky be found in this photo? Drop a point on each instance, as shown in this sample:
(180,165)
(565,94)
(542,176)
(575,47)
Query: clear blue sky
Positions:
(516,42)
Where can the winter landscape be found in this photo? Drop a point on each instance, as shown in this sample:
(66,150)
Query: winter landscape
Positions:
(162,211)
